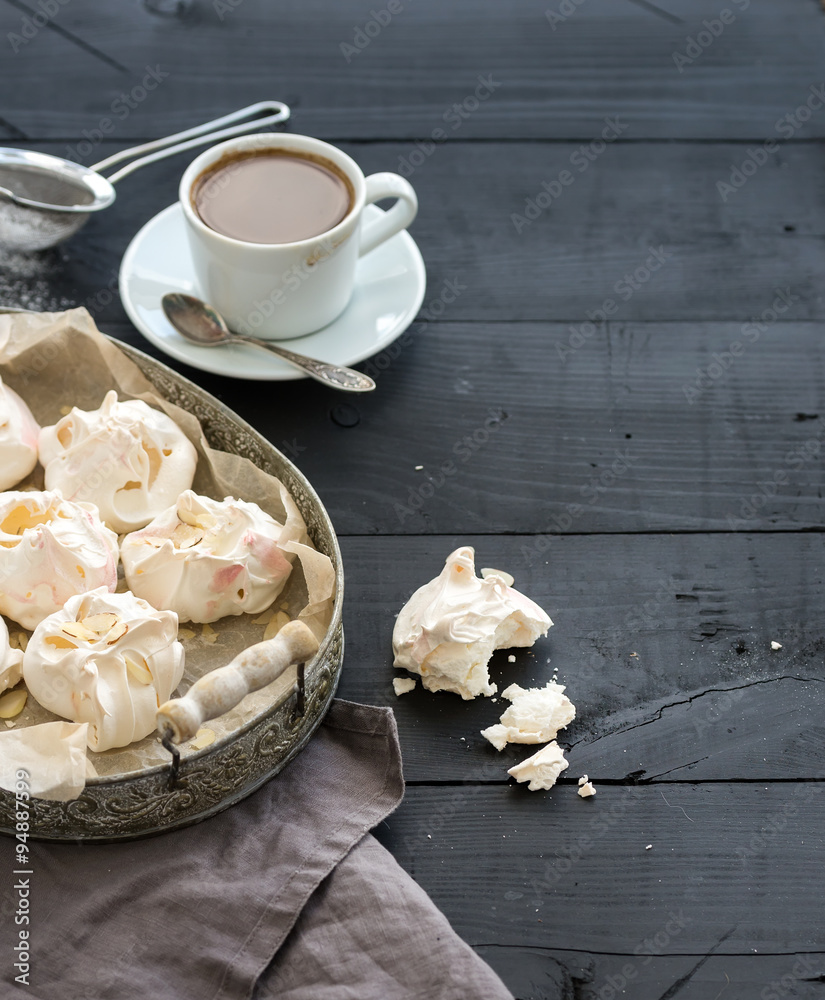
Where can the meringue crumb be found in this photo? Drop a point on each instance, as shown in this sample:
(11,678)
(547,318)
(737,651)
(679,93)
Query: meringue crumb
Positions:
(418,468)
(535,716)
(542,769)
(429,836)
(9,724)
(185,633)
(583,780)
(775,644)
(587,790)
(203,737)
(401,685)
(264,619)
(274,627)
(511,658)
(209,634)
(648,847)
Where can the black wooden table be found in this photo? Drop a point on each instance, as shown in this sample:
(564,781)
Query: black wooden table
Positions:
(634,217)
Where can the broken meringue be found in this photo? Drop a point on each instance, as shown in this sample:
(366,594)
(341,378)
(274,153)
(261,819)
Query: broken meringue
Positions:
(18,438)
(205,559)
(450,627)
(542,769)
(108,660)
(11,661)
(536,715)
(50,549)
(129,459)
(403,685)
(586,787)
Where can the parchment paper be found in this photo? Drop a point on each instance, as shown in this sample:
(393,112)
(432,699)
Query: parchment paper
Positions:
(59,360)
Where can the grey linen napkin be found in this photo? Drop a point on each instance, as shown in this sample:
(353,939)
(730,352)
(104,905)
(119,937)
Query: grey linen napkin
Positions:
(285,895)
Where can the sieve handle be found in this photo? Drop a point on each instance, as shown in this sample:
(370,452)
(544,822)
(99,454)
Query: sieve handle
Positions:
(220,690)
(192,137)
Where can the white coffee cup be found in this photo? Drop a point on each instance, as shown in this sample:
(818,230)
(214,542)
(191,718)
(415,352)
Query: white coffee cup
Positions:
(282,290)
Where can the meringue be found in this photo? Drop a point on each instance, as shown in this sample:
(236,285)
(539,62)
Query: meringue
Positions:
(18,438)
(536,715)
(130,460)
(11,660)
(542,769)
(109,660)
(586,787)
(53,754)
(205,559)
(450,627)
(50,550)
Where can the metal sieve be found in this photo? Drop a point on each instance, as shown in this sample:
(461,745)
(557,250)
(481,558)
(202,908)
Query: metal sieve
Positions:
(45,199)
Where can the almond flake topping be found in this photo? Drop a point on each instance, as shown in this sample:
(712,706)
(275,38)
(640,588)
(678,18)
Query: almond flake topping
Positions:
(185,536)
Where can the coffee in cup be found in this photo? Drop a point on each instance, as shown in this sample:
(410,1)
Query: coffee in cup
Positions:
(275,225)
(272,196)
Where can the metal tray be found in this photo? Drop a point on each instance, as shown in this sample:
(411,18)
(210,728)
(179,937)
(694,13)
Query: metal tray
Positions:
(134,799)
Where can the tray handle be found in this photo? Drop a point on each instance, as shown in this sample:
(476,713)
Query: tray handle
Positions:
(220,690)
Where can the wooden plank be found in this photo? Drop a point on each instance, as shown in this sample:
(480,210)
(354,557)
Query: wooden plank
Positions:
(643,227)
(559,79)
(698,611)
(542,974)
(614,438)
(550,870)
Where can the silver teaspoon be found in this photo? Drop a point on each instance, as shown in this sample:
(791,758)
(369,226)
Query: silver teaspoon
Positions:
(200,324)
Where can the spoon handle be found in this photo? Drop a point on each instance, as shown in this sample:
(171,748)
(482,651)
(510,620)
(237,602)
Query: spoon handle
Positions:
(341,378)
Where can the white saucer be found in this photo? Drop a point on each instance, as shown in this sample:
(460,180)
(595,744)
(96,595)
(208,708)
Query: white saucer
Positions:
(389,289)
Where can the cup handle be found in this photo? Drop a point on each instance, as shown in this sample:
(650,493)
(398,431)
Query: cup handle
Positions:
(399,216)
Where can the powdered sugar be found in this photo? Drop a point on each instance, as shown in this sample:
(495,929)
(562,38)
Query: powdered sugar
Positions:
(25,281)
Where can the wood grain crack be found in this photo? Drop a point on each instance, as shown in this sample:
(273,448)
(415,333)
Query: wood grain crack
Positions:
(676,988)
(653,9)
(688,701)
